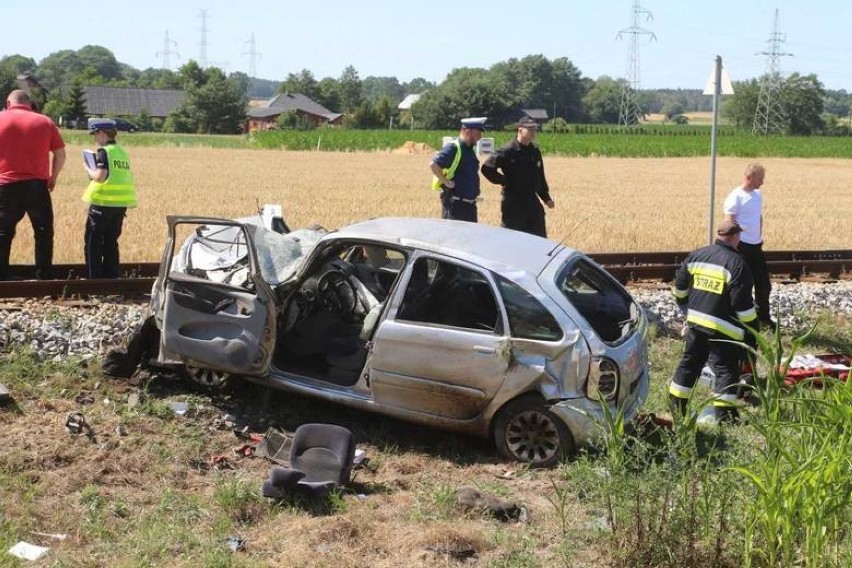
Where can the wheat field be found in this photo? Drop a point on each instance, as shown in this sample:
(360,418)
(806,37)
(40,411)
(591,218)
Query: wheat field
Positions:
(602,204)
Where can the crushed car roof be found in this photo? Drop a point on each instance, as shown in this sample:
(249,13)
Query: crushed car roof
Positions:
(460,238)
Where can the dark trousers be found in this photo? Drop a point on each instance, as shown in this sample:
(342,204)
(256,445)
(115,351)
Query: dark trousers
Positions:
(756,261)
(103,227)
(30,197)
(725,359)
(526,216)
(458,210)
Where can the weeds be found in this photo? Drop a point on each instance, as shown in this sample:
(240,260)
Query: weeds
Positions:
(678,498)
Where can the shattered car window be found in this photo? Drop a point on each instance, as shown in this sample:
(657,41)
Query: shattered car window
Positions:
(280,255)
(219,253)
(528,319)
(606,307)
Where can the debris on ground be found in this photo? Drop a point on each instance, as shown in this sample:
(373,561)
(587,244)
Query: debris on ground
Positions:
(28,551)
(179,408)
(471,499)
(5,395)
(275,446)
(236,544)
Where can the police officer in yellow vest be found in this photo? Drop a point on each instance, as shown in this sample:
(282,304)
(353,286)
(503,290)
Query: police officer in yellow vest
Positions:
(109,194)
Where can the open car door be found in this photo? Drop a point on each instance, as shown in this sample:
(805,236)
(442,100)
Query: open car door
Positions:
(214,309)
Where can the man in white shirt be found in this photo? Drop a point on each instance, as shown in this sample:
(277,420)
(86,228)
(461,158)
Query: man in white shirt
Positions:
(744,206)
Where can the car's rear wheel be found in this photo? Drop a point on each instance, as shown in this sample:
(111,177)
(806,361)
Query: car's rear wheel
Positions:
(208,378)
(526,431)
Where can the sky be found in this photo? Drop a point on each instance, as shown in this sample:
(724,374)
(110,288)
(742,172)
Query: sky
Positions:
(429,39)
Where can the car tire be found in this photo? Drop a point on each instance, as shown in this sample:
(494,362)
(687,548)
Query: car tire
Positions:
(210,379)
(526,431)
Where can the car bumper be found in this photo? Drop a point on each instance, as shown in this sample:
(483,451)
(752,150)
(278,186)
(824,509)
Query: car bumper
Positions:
(585,417)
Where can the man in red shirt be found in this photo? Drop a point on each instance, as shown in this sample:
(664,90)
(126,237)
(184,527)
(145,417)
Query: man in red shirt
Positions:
(27,176)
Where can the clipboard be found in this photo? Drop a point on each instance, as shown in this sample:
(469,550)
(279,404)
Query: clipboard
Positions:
(89,158)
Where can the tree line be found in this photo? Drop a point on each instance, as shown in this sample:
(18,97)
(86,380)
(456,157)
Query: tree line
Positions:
(217,102)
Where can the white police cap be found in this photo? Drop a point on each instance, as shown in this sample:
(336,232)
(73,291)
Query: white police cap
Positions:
(476,123)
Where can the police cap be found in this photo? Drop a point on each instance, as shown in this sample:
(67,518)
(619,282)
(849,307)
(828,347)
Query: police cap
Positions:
(474,123)
(96,124)
(527,122)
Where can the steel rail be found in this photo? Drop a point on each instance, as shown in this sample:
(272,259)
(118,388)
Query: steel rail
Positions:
(138,278)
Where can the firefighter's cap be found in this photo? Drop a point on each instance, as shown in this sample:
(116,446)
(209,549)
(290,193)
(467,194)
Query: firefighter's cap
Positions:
(727,228)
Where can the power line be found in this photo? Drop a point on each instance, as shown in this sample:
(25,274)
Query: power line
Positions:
(769,116)
(167,52)
(202,54)
(630,112)
(254,55)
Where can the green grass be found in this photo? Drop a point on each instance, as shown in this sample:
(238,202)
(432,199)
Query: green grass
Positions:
(774,491)
(583,140)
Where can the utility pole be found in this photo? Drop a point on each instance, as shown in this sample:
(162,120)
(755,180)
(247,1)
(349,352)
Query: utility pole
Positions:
(167,51)
(253,56)
(202,53)
(630,113)
(769,116)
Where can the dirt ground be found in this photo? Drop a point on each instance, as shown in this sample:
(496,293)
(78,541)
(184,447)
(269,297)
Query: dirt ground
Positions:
(145,487)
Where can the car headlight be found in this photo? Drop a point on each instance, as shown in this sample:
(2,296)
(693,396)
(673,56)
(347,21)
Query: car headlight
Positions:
(603,381)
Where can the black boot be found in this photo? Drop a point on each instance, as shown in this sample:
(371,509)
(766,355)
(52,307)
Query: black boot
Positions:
(677,405)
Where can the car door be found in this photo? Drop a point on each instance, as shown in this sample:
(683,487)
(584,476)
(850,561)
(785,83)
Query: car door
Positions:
(442,349)
(214,308)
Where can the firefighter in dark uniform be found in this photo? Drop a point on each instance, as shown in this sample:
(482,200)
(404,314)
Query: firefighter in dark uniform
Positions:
(109,194)
(713,289)
(455,172)
(524,185)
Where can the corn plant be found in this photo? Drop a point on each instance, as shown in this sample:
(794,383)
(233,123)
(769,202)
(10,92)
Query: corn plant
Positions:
(802,470)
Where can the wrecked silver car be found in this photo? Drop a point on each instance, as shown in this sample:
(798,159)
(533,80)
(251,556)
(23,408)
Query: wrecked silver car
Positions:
(457,325)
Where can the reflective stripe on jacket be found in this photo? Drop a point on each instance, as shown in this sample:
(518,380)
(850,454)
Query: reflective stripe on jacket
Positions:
(715,284)
(450,172)
(118,189)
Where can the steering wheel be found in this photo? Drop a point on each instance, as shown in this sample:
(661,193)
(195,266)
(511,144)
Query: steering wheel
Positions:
(337,293)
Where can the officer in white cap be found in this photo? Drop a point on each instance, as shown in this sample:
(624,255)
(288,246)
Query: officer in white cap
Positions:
(109,194)
(456,172)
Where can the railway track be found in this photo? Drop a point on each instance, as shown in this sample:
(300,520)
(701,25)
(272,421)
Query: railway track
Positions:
(138,278)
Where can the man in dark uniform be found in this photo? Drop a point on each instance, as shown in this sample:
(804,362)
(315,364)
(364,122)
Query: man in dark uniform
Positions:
(523,181)
(713,288)
(456,172)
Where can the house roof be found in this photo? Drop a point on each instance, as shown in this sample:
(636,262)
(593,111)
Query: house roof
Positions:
(130,102)
(409,101)
(535,113)
(286,102)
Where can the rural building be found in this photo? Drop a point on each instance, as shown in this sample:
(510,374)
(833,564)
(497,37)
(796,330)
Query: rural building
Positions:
(116,101)
(265,116)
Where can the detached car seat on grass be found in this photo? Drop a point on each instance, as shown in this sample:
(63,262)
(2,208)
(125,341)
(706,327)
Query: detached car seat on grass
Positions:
(321,458)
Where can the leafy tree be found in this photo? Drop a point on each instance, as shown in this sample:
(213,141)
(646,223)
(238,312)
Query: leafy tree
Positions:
(58,68)
(802,99)
(417,86)
(602,103)
(672,108)
(102,60)
(152,78)
(465,92)
(374,88)
(217,106)
(191,75)
(350,90)
(384,109)
(303,83)
(143,120)
(243,83)
(328,94)
(742,105)
(75,107)
(556,125)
